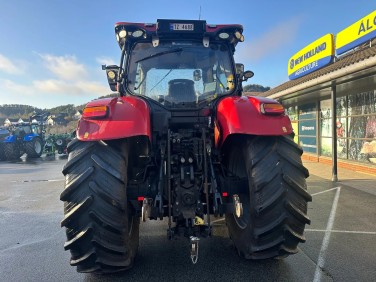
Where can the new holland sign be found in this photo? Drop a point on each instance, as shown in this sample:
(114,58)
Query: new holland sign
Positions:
(313,57)
(356,34)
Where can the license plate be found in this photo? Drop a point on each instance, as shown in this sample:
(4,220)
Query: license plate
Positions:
(181,26)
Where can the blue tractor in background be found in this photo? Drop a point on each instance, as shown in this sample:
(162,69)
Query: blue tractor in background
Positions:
(24,138)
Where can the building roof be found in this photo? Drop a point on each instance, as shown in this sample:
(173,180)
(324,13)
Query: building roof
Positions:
(13,119)
(253,93)
(362,53)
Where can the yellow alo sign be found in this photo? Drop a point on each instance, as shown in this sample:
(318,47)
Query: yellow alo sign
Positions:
(312,57)
(356,34)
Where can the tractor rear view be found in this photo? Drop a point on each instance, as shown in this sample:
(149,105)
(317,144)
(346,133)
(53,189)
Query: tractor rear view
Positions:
(181,142)
(24,138)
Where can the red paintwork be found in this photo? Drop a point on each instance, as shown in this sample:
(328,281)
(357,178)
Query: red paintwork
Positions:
(128,116)
(242,115)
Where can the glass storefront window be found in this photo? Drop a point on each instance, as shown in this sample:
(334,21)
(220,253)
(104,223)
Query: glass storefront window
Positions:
(341,106)
(362,127)
(292,112)
(368,151)
(370,131)
(362,103)
(307,127)
(326,147)
(307,111)
(325,109)
(341,127)
(355,127)
(355,146)
(326,127)
(342,148)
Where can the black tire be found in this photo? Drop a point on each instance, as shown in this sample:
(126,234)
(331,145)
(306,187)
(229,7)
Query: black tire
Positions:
(101,227)
(12,151)
(274,197)
(60,145)
(34,148)
(2,153)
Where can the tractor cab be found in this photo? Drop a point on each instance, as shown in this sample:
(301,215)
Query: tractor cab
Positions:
(177,63)
(21,129)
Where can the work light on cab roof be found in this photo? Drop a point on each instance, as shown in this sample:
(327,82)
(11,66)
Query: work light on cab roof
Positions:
(125,31)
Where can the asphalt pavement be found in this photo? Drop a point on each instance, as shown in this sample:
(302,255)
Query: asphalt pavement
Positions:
(341,240)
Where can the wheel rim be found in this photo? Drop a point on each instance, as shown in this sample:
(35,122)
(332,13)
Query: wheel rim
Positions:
(37,146)
(243,221)
(237,165)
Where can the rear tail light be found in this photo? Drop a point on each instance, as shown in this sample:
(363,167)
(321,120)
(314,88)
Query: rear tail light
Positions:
(272,109)
(95,112)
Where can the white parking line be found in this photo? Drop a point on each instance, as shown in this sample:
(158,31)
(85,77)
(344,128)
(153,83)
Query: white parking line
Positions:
(328,232)
(341,231)
(318,193)
(37,180)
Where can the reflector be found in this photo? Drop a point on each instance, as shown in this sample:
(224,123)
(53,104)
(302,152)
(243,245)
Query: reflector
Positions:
(276,109)
(95,112)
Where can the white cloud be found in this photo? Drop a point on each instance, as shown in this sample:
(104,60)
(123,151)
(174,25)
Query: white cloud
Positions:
(6,65)
(270,42)
(65,80)
(64,67)
(105,61)
(10,86)
(79,88)
(56,86)
(94,88)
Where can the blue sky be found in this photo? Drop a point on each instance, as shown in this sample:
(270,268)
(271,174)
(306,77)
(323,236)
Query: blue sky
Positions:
(51,51)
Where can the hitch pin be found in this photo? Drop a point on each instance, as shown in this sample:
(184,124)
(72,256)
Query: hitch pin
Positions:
(194,248)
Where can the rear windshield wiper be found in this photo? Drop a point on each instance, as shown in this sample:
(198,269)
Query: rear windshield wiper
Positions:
(160,54)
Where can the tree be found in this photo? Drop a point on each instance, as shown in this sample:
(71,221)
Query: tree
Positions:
(255,88)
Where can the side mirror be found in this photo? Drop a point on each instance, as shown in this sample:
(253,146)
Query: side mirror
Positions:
(112,73)
(243,75)
(196,75)
(247,75)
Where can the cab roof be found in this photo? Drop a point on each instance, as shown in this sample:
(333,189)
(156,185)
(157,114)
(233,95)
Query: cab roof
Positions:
(128,32)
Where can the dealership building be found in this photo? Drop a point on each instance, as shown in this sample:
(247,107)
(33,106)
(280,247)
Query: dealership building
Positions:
(331,97)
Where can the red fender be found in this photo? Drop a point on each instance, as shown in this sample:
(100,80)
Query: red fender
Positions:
(127,116)
(242,115)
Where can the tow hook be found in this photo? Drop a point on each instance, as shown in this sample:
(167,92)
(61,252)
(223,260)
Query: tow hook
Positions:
(194,248)
(238,207)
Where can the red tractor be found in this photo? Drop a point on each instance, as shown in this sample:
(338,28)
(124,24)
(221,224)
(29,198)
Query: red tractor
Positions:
(181,142)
